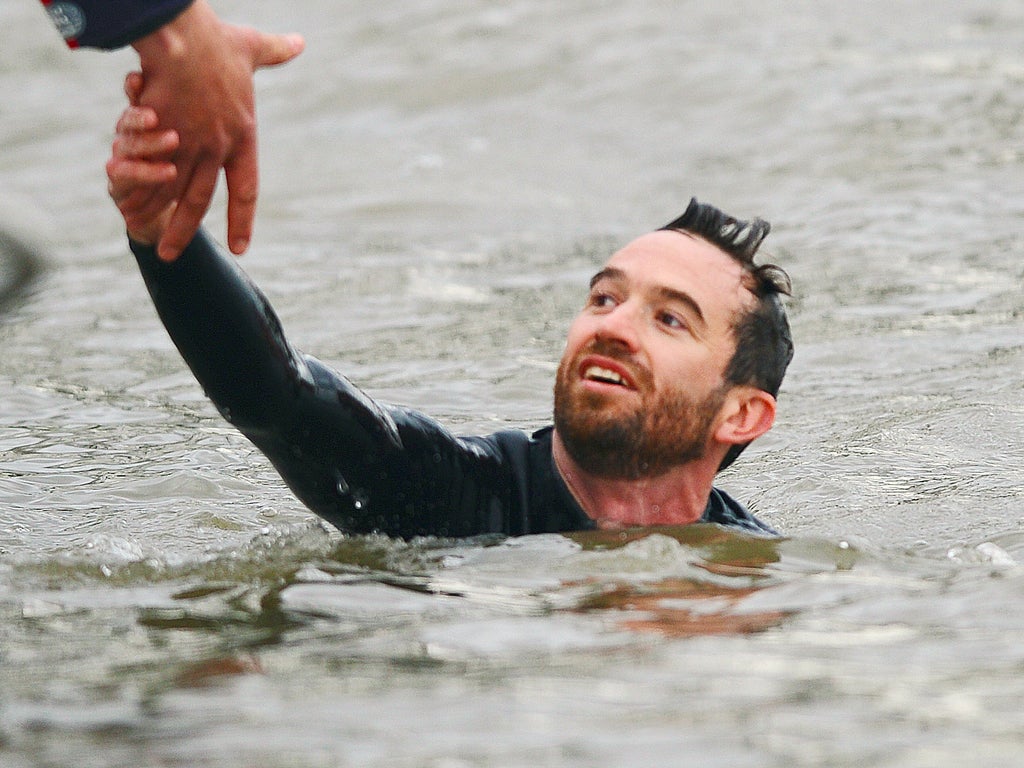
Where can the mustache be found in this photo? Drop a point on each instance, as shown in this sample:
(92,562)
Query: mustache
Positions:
(611,350)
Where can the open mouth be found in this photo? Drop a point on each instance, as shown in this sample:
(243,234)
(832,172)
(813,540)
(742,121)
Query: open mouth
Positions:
(606,375)
(605,372)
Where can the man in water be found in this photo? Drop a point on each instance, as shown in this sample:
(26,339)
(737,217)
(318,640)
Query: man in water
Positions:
(669,371)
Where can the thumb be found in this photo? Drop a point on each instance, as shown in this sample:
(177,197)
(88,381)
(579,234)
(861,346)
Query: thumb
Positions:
(269,50)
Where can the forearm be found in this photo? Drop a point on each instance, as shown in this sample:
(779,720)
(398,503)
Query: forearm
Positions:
(111,23)
(226,331)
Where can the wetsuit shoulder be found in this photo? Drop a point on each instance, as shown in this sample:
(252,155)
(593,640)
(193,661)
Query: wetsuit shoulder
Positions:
(543,501)
(110,23)
(723,509)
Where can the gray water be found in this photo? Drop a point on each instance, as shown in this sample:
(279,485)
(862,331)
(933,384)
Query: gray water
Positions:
(439,180)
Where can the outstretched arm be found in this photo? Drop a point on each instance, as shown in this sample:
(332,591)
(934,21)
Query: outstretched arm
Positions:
(309,421)
(222,324)
(361,466)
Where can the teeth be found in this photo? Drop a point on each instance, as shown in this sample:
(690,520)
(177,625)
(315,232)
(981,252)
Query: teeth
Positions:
(603,374)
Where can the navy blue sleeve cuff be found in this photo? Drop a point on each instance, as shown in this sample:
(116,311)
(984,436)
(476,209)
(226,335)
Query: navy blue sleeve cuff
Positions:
(110,24)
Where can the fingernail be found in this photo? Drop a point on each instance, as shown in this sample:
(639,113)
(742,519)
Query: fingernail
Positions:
(238,245)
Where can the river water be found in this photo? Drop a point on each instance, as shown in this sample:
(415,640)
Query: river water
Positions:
(439,180)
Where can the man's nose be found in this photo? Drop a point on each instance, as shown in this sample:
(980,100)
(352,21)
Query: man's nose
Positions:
(620,325)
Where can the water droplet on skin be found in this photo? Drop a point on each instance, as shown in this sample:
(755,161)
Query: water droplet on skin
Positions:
(360,500)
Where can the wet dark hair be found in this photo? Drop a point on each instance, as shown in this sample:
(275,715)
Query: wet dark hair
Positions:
(764,344)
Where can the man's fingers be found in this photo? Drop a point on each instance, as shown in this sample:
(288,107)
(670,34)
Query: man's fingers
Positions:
(216,129)
(141,190)
(126,174)
(135,119)
(191,208)
(270,50)
(151,145)
(241,172)
(133,85)
(142,204)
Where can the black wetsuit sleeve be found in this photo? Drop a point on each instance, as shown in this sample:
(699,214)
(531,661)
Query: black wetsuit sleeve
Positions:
(110,23)
(357,464)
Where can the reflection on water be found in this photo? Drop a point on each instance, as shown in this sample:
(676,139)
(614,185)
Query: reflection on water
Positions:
(299,632)
(686,607)
(439,182)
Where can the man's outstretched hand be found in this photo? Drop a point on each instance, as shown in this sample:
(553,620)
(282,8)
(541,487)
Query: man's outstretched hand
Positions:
(141,170)
(198,79)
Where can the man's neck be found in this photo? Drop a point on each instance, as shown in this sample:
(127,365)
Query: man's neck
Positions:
(678,497)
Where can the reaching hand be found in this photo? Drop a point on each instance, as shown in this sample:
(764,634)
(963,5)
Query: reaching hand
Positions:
(198,74)
(140,169)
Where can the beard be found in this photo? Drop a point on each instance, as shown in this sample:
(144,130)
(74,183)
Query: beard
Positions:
(630,442)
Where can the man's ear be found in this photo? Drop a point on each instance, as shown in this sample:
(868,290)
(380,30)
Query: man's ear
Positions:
(746,414)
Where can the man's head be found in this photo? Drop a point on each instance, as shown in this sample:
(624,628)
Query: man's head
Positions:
(679,351)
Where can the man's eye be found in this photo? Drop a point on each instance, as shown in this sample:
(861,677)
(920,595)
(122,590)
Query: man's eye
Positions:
(602,300)
(671,321)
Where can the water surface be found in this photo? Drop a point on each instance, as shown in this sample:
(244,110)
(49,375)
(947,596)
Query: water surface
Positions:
(439,181)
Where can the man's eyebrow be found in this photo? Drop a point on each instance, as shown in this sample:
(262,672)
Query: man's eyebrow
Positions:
(663,292)
(671,294)
(608,273)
